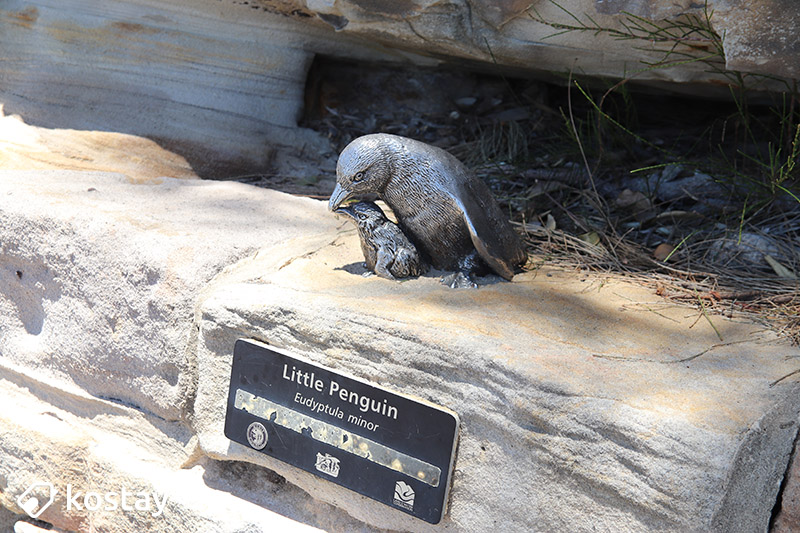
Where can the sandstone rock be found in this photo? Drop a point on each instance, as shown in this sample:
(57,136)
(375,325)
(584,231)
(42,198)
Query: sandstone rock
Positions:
(759,39)
(99,276)
(219,84)
(105,272)
(788,519)
(26,147)
(759,35)
(86,445)
(8,519)
(583,407)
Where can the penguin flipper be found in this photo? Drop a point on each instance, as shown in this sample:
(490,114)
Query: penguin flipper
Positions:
(383,264)
(494,239)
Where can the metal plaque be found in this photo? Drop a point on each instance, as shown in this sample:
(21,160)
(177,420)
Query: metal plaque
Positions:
(388,447)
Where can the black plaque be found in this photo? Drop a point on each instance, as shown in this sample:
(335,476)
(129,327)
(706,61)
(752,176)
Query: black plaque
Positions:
(388,447)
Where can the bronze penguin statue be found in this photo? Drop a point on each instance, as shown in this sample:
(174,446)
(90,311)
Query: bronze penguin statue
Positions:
(442,207)
(387,251)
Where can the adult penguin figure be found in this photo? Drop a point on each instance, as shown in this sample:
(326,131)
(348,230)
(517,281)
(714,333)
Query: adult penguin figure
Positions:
(449,214)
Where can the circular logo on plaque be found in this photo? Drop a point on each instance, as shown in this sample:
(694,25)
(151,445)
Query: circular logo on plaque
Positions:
(257,435)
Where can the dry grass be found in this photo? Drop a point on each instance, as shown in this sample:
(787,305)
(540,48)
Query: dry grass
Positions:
(727,291)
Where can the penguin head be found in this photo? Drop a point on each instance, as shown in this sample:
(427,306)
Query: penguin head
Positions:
(364,167)
(367,215)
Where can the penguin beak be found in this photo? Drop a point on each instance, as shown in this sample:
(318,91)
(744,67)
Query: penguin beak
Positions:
(347,211)
(339,195)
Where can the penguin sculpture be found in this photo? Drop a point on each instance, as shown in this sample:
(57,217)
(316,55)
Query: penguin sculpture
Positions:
(447,212)
(387,251)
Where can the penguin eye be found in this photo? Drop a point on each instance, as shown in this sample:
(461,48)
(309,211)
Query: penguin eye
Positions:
(358,177)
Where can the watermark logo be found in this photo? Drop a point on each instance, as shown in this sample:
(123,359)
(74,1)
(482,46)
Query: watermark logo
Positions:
(404,495)
(36,498)
(31,501)
(327,464)
(143,502)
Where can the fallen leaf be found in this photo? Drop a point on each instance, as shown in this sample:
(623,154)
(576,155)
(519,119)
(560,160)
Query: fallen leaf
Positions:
(663,251)
(591,237)
(779,269)
(633,199)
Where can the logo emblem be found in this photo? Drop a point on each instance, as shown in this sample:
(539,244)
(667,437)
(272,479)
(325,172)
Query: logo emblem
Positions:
(257,435)
(404,495)
(327,464)
(29,500)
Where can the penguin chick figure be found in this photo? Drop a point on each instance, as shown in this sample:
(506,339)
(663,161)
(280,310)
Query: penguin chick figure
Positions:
(387,251)
(449,213)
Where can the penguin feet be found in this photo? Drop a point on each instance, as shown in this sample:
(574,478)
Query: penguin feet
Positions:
(459,280)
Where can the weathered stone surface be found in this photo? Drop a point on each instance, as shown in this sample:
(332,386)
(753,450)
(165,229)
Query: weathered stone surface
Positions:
(8,519)
(221,84)
(104,272)
(758,37)
(69,438)
(99,275)
(26,147)
(585,406)
(788,519)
